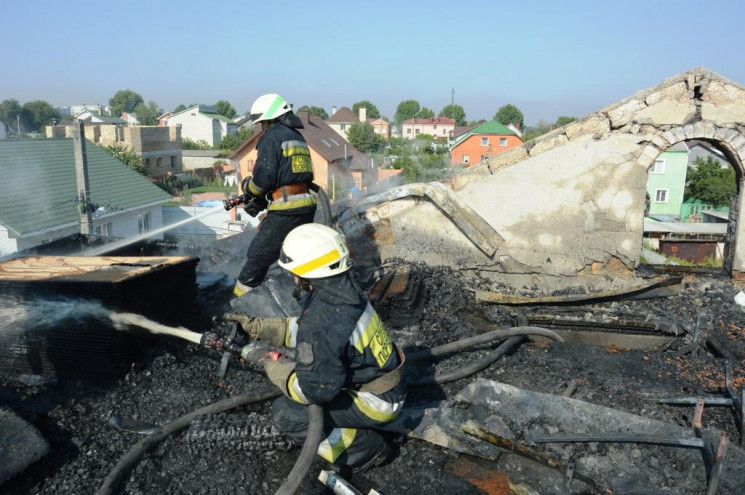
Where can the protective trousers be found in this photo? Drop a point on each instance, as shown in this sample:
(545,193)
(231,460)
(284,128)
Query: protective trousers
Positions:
(348,437)
(266,245)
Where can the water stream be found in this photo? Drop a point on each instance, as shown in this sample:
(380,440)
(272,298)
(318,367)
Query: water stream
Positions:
(100,250)
(122,319)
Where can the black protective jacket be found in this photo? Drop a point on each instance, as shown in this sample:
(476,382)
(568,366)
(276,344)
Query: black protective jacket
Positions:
(341,345)
(283,158)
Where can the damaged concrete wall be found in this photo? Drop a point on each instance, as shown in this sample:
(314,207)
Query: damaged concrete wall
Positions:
(570,202)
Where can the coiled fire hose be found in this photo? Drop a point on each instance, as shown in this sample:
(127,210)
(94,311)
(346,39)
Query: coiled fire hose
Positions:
(514,336)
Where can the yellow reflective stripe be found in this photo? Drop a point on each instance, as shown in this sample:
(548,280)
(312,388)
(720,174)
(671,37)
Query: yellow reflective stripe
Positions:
(291,332)
(371,333)
(253,189)
(288,205)
(336,443)
(374,407)
(296,393)
(239,289)
(322,260)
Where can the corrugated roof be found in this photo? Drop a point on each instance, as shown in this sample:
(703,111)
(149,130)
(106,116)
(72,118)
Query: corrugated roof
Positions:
(39,186)
(685,228)
(343,116)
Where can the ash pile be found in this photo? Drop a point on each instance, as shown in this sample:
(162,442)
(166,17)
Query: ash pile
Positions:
(687,344)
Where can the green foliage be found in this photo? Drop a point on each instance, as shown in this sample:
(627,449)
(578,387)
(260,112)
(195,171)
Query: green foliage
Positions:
(454,112)
(424,113)
(406,110)
(564,120)
(709,182)
(185,197)
(224,107)
(418,160)
(233,141)
(148,114)
(180,108)
(124,100)
(9,112)
(372,110)
(127,156)
(509,114)
(317,111)
(362,136)
(189,144)
(38,114)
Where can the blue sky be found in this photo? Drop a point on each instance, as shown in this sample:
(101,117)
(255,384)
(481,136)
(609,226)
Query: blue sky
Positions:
(547,58)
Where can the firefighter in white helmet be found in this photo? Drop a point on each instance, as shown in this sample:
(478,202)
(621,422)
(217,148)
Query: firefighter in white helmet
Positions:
(281,178)
(345,359)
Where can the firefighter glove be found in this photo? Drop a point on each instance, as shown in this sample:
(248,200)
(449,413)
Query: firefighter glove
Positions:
(269,330)
(279,372)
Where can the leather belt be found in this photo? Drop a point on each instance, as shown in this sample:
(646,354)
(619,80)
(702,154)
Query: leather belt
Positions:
(289,190)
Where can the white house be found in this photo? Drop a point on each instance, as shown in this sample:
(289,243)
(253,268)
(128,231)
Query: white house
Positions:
(125,203)
(203,123)
(437,127)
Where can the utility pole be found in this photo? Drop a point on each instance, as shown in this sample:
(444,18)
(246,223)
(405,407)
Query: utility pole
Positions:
(18,124)
(452,97)
(81,174)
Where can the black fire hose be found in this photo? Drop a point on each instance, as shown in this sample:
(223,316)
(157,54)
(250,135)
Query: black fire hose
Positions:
(324,200)
(315,413)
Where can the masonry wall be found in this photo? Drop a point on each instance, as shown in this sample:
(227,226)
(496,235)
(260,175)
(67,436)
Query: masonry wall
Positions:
(571,202)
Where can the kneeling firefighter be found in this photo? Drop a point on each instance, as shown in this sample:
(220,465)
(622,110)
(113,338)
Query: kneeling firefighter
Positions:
(345,359)
(281,178)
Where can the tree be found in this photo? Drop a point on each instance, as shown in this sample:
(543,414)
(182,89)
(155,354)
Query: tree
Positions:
(406,110)
(362,136)
(188,144)
(180,108)
(148,114)
(454,112)
(709,182)
(224,107)
(424,113)
(317,111)
(372,110)
(11,110)
(563,120)
(124,100)
(233,141)
(509,114)
(39,114)
(129,157)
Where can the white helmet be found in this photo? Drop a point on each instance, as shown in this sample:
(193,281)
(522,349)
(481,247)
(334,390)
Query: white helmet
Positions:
(314,251)
(268,107)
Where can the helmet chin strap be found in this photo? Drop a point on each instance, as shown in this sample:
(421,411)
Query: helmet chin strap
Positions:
(301,284)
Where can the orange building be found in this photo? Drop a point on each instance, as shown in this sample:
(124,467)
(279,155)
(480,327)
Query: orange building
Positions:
(481,142)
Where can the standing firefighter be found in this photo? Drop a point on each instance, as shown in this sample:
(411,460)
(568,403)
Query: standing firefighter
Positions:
(345,359)
(282,174)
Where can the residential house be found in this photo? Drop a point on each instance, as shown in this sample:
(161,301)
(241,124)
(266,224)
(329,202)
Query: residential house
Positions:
(666,183)
(90,108)
(704,150)
(159,147)
(94,118)
(481,142)
(130,118)
(126,204)
(163,119)
(437,127)
(332,157)
(341,120)
(203,123)
(381,126)
(3,130)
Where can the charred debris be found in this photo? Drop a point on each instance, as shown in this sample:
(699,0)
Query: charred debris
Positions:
(642,393)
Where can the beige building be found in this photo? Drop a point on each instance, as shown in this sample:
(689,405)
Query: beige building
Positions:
(437,127)
(159,147)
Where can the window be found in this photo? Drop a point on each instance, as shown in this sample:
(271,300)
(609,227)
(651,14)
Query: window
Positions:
(343,127)
(502,141)
(417,131)
(484,141)
(408,131)
(173,161)
(103,230)
(484,157)
(658,167)
(143,220)
(464,158)
(660,196)
(157,163)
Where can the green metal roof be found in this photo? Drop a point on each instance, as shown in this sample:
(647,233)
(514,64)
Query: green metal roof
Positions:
(38,189)
(491,127)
